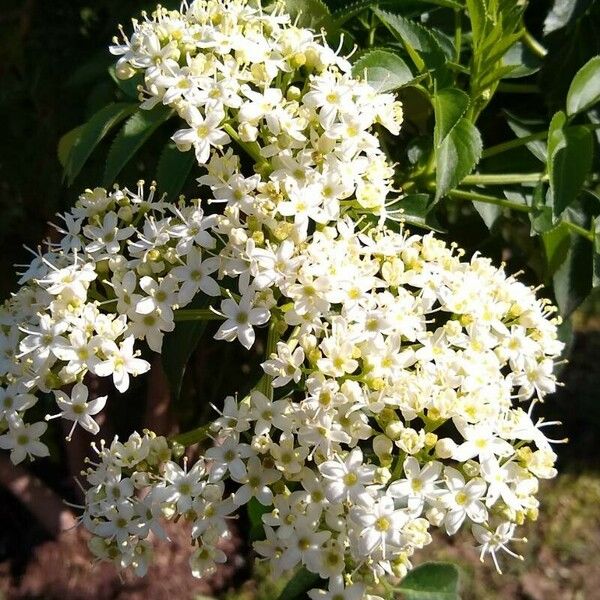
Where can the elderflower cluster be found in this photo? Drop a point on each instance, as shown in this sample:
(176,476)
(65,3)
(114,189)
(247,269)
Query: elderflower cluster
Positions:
(403,384)
(400,380)
(236,72)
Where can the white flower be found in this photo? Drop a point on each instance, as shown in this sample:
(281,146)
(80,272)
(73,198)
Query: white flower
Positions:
(419,485)
(121,362)
(76,408)
(347,480)
(256,483)
(203,133)
(284,365)
(240,320)
(23,440)
(462,500)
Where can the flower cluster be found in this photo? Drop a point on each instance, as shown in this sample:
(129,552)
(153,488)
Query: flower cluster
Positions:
(235,72)
(400,379)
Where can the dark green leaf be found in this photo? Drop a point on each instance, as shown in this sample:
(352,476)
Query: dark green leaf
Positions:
(420,44)
(522,127)
(309,13)
(128,86)
(179,344)
(569,161)
(138,128)
(383,69)
(298,585)
(255,512)
(431,581)
(65,144)
(449,105)
(173,169)
(585,87)
(522,60)
(457,156)
(573,278)
(91,134)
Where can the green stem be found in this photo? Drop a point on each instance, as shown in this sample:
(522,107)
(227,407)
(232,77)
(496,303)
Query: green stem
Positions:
(534,45)
(582,231)
(518,88)
(272,338)
(474,197)
(516,143)
(194,436)
(502,178)
(251,148)
(196,314)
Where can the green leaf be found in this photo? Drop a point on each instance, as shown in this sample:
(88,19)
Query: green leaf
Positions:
(90,134)
(431,581)
(179,344)
(65,144)
(522,127)
(563,13)
(573,278)
(521,60)
(570,152)
(457,156)
(128,86)
(255,512)
(449,105)
(137,129)
(173,169)
(310,13)
(420,44)
(298,585)
(585,87)
(383,69)
(476,10)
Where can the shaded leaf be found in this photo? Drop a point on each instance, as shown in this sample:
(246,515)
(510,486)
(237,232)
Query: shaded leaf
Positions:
(309,13)
(299,584)
(522,127)
(456,156)
(179,344)
(573,278)
(584,91)
(92,133)
(255,512)
(137,129)
(522,60)
(569,161)
(173,169)
(431,581)
(65,144)
(563,13)
(383,69)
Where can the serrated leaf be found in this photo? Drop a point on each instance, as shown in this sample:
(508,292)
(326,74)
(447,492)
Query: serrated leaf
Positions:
(173,169)
(298,585)
(421,46)
(477,15)
(92,133)
(584,91)
(309,13)
(137,129)
(449,106)
(65,144)
(457,156)
(431,581)
(569,161)
(383,69)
